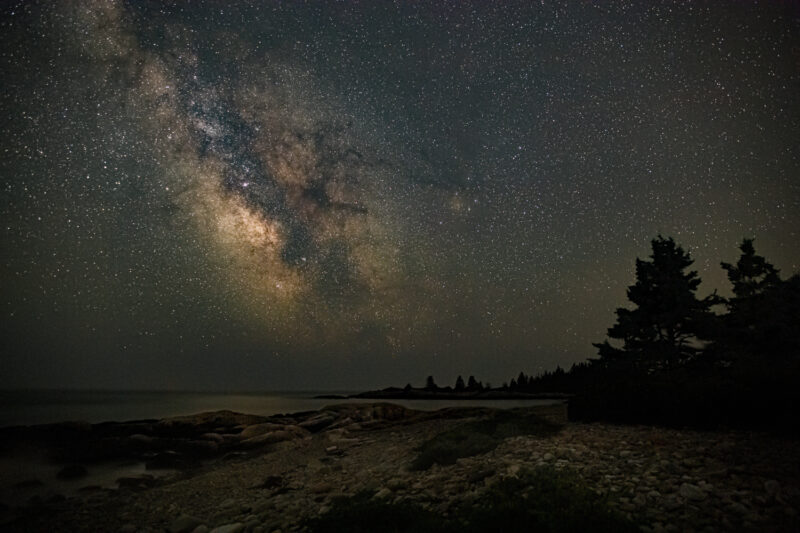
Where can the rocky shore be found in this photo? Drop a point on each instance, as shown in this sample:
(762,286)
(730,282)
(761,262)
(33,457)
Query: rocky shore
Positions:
(227,472)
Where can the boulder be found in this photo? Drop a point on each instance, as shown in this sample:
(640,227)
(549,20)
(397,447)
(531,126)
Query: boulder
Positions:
(72,472)
(215,419)
(672,502)
(383,493)
(692,492)
(138,439)
(396,483)
(260,429)
(193,426)
(269,438)
(772,487)
(320,488)
(200,447)
(184,524)
(318,422)
(170,460)
(390,411)
(136,483)
(271,482)
(229,528)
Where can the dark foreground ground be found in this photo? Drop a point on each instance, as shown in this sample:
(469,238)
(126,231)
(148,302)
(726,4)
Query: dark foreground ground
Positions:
(226,472)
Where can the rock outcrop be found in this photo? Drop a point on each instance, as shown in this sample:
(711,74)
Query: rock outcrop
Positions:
(663,479)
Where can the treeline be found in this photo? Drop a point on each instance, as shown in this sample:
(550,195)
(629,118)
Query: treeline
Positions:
(472,385)
(670,359)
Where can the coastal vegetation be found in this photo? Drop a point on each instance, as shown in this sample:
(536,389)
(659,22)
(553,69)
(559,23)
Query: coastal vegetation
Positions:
(543,499)
(681,364)
(674,358)
(480,436)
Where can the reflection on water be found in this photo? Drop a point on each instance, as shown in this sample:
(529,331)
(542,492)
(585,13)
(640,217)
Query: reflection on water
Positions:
(28,473)
(42,407)
(25,476)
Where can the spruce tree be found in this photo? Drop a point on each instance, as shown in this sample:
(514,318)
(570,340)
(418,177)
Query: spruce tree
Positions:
(763,312)
(752,275)
(430,384)
(661,330)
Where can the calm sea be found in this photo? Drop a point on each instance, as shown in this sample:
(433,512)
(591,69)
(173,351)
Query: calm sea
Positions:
(43,407)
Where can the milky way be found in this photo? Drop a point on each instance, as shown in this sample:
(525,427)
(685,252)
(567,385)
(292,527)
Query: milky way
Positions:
(267,195)
(285,193)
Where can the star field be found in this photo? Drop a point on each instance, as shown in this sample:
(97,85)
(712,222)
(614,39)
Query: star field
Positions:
(278,195)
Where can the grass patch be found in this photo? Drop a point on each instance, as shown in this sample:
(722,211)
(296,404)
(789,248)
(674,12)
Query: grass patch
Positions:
(364,514)
(544,500)
(480,436)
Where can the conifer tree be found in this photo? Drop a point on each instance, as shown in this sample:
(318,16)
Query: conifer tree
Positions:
(661,330)
(430,384)
(763,312)
(751,275)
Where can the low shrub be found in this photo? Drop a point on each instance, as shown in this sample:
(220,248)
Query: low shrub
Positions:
(364,514)
(480,436)
(544,500)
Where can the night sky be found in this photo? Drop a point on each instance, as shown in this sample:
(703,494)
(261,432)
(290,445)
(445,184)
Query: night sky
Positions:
(263,195)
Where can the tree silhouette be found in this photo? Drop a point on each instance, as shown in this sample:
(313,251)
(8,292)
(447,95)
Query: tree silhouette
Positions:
(763,312)
(430,384)
(460,384)
(659,333)
(751,276)
(472,384)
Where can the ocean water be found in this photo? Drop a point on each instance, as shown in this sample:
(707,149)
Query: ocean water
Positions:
(48,406)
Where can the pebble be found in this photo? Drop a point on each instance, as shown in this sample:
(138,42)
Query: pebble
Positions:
(229,528)
(396,483)
(772,487)
(320,488)
(692,492)
(738,508)
(672,502)
(184,524)
(383,493)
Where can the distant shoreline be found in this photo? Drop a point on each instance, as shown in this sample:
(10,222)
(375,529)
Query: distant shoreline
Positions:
(396,393)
